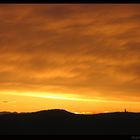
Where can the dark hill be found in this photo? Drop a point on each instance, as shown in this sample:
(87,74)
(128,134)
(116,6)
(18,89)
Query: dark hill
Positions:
(4,112)
(55,122)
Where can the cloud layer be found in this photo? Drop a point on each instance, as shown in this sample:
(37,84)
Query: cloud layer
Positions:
(90,50)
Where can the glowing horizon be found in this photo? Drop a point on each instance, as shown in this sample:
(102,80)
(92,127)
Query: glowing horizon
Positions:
(55,97)
(66,96)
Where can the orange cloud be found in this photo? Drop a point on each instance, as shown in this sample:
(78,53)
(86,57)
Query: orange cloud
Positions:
(71,48)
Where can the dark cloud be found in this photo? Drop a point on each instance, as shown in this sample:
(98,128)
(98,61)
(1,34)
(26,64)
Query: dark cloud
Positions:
(8,102)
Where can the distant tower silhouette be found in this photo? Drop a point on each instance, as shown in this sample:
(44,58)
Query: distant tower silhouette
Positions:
(125,110)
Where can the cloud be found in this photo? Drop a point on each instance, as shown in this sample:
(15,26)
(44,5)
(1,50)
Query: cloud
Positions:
(8,102)
(70,48)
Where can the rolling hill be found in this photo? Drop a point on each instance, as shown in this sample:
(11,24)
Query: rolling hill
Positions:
(61,122)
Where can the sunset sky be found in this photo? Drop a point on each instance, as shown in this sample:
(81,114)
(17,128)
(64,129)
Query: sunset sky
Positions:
(83,58)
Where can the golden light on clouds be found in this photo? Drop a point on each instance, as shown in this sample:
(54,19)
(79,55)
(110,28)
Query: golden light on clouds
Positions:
(72,56)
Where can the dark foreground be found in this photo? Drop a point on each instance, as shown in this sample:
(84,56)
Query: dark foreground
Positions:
(61,122)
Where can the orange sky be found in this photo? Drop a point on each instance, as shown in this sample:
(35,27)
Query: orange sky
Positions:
(78,57)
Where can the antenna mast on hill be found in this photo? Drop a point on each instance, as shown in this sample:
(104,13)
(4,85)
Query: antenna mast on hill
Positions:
(125,110)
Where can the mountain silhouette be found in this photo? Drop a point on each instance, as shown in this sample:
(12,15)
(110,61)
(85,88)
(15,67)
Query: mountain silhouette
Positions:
(4,112)
(62,122)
